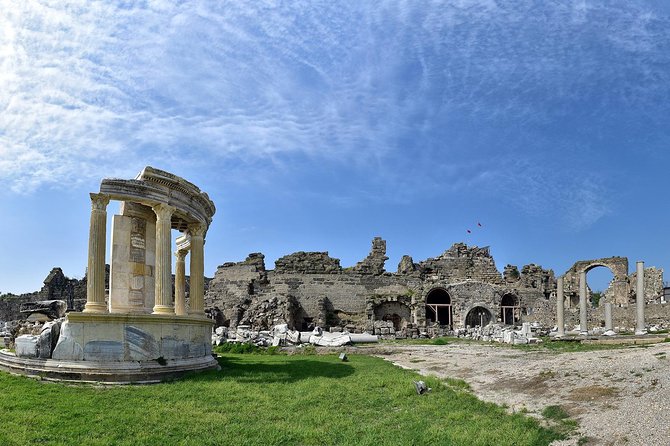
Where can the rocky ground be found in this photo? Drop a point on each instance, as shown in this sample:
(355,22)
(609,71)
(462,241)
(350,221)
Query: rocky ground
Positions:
(619,397)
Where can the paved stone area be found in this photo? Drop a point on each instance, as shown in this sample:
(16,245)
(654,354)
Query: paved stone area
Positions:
(619,397)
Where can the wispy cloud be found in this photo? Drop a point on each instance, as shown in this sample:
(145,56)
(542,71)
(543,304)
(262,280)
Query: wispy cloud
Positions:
(90,85)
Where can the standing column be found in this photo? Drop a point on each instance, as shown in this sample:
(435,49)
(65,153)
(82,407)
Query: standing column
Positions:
(180,283)
(608,316)
(197,288)
(560,319)
(639,299)
(582,304)
(163,277)
(97,238)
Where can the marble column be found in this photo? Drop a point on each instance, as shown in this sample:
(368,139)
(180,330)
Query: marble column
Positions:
(639,299)
(608,316)
(163,276)
(180,283)
(197,288)
(583,328)
(560,317)
(97,238)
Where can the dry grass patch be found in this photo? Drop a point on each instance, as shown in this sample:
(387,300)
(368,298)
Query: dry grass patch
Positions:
(591,393)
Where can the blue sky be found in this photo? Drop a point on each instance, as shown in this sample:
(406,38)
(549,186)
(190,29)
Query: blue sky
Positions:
(315,126)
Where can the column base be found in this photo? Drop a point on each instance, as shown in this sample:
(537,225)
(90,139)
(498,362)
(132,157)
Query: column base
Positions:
(163,309)
(640,332)
(95,307)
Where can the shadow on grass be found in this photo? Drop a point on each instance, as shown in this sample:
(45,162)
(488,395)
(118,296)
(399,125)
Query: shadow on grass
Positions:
(249,371)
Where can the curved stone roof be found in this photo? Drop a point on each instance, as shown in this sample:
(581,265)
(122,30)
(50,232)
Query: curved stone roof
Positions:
(154,186)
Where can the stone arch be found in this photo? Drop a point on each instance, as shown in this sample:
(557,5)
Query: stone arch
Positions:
(395,311)
(619,287)
(478,315)
(438,306)
(510,309)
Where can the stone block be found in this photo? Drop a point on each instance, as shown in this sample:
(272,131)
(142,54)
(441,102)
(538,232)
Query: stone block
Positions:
(141,345)
(48,339)
(26,346)
(172,348)
(103,351)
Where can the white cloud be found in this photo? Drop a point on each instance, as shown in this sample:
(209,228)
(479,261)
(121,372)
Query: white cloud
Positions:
(90,87)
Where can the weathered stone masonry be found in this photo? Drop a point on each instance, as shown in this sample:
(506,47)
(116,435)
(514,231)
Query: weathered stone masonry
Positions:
(460,287)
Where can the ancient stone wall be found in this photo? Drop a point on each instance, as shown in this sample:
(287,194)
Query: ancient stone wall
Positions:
(461,262)
(323,293)
(623,318)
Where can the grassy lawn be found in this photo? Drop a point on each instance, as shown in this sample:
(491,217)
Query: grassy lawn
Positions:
(262,400)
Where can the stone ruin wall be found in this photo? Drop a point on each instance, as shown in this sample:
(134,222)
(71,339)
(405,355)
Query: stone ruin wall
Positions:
(311,288)
(308,288)
(623,318)
(56,286)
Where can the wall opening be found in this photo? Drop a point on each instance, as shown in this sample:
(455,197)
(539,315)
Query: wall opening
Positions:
(438,307)
(478,316)
(397,312)
(599,280)
(510,311)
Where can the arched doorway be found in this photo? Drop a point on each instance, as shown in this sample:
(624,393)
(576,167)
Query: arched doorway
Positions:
(478,316)
(396,319)
(510,311)
(438,307)
(599,282)
(396,312)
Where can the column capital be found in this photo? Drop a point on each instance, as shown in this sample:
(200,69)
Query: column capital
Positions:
(99,202)
(180,254)
(196,229)
(163,211)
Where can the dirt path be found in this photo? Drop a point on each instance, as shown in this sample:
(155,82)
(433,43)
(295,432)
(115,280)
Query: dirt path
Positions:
(619,397)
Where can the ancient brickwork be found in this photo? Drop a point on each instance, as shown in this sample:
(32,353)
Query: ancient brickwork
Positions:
(461,262)
(308,263)
(623,318)
(323,293)
(653,285)
(374,262)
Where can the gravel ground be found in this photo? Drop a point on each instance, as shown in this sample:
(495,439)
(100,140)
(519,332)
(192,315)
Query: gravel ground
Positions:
(619,397)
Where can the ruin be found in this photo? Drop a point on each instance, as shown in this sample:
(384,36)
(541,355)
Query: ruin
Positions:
(140,331)
(461,287)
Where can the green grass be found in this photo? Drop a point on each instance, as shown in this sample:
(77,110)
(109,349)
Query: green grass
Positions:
(560,419)
(263,400)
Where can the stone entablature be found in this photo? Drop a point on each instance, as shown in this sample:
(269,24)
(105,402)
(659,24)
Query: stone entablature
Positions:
(153,186)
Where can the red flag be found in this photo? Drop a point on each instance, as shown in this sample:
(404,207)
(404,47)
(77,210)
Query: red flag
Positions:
(479,224)
(469,231)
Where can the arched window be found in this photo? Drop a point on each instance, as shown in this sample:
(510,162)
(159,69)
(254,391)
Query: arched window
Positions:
(510,312)
(438,307)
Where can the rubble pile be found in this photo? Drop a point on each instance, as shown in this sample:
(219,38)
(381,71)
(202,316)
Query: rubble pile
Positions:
(281,335)
(527,334)
(263,315)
